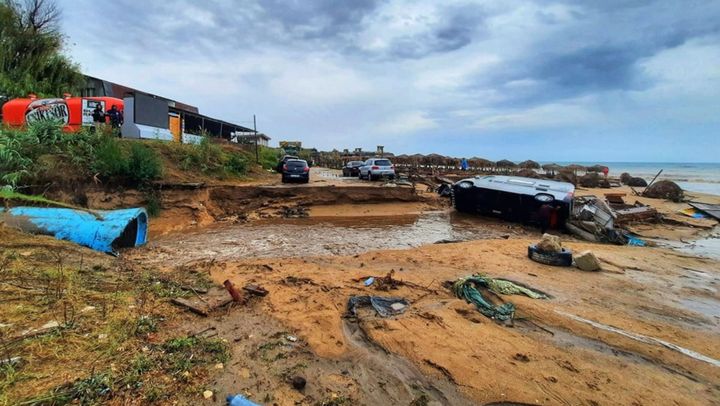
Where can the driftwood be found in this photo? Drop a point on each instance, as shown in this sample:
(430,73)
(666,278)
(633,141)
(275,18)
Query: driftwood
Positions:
(197,309)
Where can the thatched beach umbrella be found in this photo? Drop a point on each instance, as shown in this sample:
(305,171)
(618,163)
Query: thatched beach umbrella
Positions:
(597,168)
(433,159)
(401,159)
(529,164)
(575,168)
(482,163)
(551,168)
(505,165)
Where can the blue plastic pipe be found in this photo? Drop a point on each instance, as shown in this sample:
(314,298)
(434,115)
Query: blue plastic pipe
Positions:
(101,230)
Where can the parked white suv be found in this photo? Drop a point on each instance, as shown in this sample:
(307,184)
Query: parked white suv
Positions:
(376,168)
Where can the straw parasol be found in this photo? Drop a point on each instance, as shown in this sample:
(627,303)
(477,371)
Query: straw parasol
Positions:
(597,168)
(478,162)
(575,168)
(529,164)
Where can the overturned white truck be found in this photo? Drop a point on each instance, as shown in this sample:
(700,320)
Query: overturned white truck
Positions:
(513,198)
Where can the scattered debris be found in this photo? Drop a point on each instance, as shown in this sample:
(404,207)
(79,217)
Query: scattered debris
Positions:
(694,213)
(712,210)
(615,199)
(587,261)
(233,291)
(189,305)
(549,251)
(382,305)
(208,394)
(521,357)
(444,190)
(369,281)
(294,212)
(203,305)
(298,382)
(34,332)
(10,361)
(398,307)
(549,244)
(291,338)
(239,400)
(387,282)
(638,213)
(468,288)
(635,241)
(256,290)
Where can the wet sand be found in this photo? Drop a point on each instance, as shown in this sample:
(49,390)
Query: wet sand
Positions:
(558,351)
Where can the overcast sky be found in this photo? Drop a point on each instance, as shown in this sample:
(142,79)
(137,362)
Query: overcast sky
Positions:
(605,80)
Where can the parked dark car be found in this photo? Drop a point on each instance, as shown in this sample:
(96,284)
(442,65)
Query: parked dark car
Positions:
(295,170)
(352,168)
(513,198)
(279,167)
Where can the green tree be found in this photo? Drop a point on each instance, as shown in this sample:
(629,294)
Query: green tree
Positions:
(31,51)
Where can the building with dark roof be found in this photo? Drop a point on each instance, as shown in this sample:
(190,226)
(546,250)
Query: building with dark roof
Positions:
(192,121)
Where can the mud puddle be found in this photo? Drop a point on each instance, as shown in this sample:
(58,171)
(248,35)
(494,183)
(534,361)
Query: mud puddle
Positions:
(707,247)
(296,237)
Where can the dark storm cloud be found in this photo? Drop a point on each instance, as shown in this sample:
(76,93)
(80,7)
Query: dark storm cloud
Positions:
(458,27)
(592,68)
(317,19)
(600,50)
(167,28)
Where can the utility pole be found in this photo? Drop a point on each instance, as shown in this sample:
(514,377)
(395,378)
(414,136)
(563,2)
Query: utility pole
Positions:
(257,155)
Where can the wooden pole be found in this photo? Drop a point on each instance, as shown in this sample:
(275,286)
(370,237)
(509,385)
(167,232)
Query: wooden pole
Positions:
(257,155)
(653,179)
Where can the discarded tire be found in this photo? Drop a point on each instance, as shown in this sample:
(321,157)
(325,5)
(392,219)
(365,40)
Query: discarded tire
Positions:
(562,258)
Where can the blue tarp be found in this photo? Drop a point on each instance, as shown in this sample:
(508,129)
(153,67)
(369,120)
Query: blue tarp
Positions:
(101,230)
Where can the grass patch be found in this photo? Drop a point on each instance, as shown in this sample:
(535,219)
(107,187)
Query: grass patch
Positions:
(42,153)
(110,318)
(9,195)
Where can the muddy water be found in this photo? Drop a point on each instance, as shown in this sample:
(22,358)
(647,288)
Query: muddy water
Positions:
(324,236)
(708,246)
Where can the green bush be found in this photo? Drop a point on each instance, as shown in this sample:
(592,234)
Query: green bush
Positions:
(110,159)
(143,164)
(269,157)
(236,164)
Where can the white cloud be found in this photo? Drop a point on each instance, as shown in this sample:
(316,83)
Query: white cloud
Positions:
(407,122)
(318,81)
(553,115)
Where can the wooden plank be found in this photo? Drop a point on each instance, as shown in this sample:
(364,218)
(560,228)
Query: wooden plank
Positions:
(197,309)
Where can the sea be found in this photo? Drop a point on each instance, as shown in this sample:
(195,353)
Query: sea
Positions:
(691,176)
